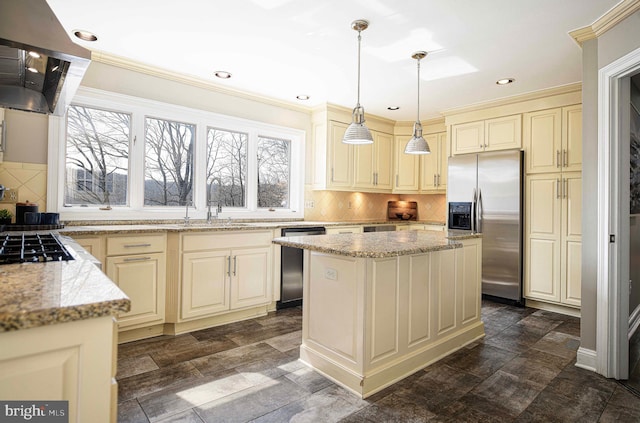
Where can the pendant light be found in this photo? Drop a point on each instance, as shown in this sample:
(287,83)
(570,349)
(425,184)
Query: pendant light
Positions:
(417,144)
(357,132)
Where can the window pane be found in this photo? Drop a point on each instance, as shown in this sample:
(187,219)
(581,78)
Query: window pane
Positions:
(273,172)
(227,167)
(97,157)
(168,172)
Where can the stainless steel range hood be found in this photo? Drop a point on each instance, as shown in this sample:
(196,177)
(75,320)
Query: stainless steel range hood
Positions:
(44,84)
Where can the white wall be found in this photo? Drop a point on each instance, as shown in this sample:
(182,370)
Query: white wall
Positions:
(610,46)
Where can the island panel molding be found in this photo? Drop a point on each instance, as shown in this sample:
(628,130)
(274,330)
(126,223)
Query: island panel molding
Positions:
(374,314)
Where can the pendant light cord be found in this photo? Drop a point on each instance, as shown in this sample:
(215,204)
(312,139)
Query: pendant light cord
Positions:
(418,111)
(359,39)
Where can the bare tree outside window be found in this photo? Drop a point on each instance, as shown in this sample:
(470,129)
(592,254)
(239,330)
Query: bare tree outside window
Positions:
(169,163)
(227,167)
(274,156)
(97,157)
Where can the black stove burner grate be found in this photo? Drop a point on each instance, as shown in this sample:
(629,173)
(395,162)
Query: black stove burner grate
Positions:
(35,248)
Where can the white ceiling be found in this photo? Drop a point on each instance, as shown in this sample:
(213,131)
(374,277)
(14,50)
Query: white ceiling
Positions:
(282,48)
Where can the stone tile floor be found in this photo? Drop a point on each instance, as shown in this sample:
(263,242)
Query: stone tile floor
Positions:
(522,371)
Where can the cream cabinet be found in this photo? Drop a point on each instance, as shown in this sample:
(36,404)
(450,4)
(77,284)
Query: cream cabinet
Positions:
(553,140)
(224,272)
(93,244)
(73,361)
(137,264)
(427,227)
(553,237)
(345,167)
(433,167)
(407,168)
(353,229)
(373,170)
(501,133)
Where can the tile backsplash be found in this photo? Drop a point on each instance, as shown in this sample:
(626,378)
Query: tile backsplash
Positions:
(359,206)
(30,179)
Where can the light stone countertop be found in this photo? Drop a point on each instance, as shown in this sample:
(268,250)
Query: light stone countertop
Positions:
(373,244)
(112,228)
(40,294)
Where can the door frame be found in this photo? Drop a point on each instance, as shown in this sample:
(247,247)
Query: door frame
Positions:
(612,313)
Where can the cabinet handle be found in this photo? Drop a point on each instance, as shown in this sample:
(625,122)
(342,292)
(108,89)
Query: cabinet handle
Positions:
(136,245)
(565,191)
(434,180)
(565,160)
(137,258)
(558,195)
(557,158)
(235,263)
(229,266)
(438,179)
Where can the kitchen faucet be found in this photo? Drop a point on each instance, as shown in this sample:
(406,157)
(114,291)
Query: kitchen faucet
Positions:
(218,208)
(186,214)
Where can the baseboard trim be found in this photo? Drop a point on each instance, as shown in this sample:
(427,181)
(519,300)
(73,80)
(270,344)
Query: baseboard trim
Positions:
(587,359)
(634,321)
(556,308)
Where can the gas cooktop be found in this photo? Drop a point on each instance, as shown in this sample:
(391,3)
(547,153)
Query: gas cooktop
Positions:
(28,248)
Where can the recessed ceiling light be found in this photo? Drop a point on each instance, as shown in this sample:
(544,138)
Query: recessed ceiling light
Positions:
(85,35)
(34,54)
(34,70)
(302,97)
(505,81)
(223,74)
(393,108)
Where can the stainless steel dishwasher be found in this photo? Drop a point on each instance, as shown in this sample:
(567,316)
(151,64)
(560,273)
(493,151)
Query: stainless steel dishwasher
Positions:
(291,267)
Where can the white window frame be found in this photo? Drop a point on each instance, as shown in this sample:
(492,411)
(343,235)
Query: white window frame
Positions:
(140,108)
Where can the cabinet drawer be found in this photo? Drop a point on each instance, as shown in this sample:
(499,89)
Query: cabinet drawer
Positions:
(227,240)
(139,244)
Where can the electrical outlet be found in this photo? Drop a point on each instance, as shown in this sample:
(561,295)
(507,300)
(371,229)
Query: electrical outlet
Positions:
(331,274)
(308,204)
(10,196)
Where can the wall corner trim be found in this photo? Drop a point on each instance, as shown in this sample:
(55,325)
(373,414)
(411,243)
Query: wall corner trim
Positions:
(587,359)
(613,17)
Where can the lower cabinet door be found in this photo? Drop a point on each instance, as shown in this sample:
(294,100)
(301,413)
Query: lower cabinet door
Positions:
(250,282)
(205,283)
(142,278)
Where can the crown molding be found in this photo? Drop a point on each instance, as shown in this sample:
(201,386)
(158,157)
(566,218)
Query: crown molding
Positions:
(506,101)
(146,69)
(613,17)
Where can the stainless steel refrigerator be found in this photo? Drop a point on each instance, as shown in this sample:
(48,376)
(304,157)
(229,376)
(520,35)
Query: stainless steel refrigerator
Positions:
(493,183)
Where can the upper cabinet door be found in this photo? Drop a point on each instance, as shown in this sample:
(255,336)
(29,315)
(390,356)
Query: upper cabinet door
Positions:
(468,137)
(503,133)
(572,138)
(429,166)
(364,169)
(383,161)
(444,160)
(407,177)
(341,156)
(543,140)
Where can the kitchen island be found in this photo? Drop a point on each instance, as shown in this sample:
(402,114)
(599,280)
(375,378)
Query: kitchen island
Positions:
(381,306)
(58,335)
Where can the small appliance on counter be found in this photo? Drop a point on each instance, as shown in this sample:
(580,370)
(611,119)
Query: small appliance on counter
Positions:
(22,209)
(402,210)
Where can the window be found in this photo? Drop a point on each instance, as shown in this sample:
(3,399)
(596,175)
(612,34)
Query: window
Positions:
(227,167)
(273,172)
(168,170)
(97,151)
(122,157)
